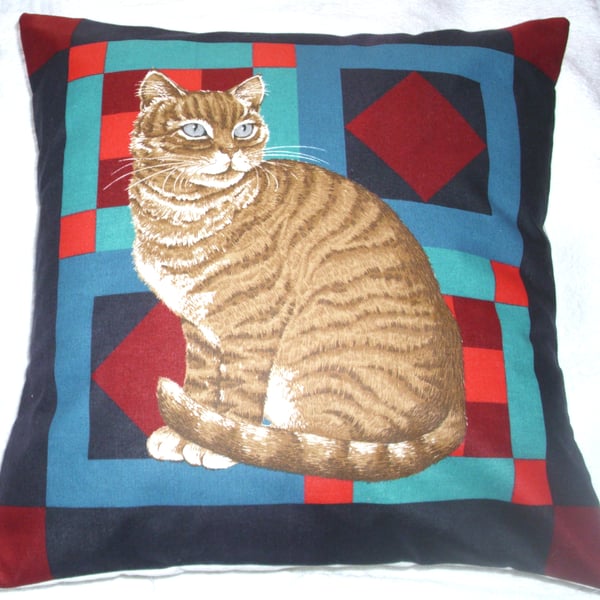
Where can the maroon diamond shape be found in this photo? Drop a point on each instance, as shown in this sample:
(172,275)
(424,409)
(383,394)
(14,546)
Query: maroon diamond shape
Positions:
(154,348)
(419,134)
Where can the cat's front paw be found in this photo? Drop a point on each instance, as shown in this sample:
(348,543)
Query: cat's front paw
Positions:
(198,456)
(165,444)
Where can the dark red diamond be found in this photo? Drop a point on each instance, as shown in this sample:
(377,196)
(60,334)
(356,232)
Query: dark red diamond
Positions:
(154,348)
(419,134)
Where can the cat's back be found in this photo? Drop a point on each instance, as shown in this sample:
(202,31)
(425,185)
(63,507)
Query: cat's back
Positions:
(326,209)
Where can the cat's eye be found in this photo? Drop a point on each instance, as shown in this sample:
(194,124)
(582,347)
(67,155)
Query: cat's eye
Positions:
(243,131)
(194,130)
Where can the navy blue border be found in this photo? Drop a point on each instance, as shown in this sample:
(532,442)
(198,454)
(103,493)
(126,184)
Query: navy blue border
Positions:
(483,533)
(569,479)
(23,474)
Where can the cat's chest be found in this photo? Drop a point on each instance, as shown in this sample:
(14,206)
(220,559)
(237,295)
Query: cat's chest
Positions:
(176,281)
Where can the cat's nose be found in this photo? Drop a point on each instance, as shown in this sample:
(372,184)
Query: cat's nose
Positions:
(227,147)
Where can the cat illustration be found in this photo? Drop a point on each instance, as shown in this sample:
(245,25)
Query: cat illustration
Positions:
(317,340)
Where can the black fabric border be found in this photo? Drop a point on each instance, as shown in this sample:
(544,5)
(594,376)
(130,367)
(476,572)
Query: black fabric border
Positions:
(569,480)
(89,31)
(23,475)
(482,533)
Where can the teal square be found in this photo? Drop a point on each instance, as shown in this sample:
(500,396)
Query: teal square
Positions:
(462,274)
(114,229)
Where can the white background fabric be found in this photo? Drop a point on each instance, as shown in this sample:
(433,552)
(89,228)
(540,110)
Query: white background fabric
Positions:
(571,225)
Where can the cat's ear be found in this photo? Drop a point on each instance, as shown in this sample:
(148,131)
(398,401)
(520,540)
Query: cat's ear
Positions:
(250,92)
(157,86)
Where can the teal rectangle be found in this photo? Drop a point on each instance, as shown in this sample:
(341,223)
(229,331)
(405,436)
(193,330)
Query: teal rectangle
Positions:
(280,110)
(454,478)
(528,434)
(114,229)
(168,54)
(462,274)
(82,147)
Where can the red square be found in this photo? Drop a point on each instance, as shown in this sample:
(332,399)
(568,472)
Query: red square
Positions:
(460,451)
(478,322)
(115,135)
(531,483)
(87,60)
(449,300)
(77,234)
(113,178)
(218,80)
(274,55)
(44,36)
(23,558)
(575,550)
(488,431)
(119,92)
(509,285)
(485,378)
(188,79)
(318,490)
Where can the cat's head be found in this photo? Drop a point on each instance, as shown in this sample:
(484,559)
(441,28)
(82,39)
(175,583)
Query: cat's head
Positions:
(202,138)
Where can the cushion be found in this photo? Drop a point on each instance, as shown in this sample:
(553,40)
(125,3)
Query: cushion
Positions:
(452,131)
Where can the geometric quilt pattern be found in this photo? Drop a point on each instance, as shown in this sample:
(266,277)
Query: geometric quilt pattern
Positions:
(490,305)
(453,131)
(122,381)
(411,136)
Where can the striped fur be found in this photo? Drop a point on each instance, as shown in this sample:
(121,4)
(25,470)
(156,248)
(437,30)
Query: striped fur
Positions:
(317,338)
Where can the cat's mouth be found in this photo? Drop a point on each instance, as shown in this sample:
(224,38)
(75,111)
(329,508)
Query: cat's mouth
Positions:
(221,179)
(223,171)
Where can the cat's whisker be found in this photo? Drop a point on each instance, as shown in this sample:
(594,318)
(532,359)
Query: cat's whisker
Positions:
(301,156)
(264,170)
(126,164)
(296,147)
(286,168)
(180,181)
(170,164)
(270,175)
(274,178)
(163,162)
(154,174)
(256,178)
(166,179)
(116,180)
(299,151)
(177,174)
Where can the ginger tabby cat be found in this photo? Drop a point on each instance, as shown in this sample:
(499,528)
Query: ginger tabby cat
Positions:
(317,338)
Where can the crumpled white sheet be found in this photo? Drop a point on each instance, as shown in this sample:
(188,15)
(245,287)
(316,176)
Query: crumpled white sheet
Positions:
(571,225)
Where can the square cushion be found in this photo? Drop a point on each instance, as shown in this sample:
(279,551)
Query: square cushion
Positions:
(453,130)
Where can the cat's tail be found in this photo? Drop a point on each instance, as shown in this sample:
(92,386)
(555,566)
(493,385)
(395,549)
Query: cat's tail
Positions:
(301,452)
